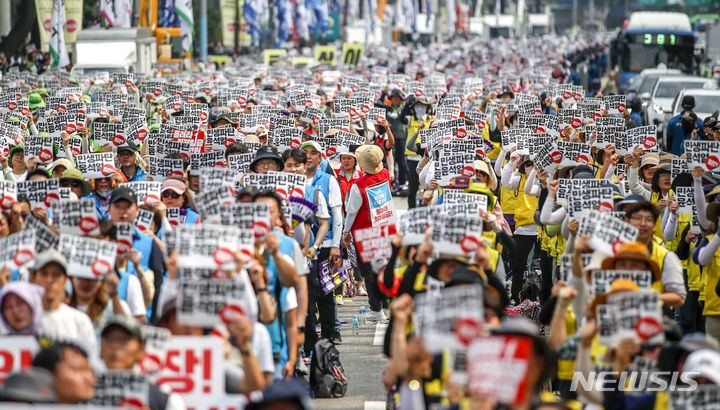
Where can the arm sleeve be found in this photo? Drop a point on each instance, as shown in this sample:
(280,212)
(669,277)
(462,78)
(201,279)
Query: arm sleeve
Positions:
(353,204)
(550,217)
(498,162)
(670,227)
(700,203)
(530,187)
(635,186)
(546,311)
(389,271)
(507,243)
(672,275)
(337,227)
(707,253)
(407,285)
(510,181)
(683,249)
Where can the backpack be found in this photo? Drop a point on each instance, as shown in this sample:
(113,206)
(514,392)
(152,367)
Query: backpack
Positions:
(327,377)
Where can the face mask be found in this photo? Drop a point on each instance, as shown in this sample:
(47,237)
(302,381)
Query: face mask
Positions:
(420,111)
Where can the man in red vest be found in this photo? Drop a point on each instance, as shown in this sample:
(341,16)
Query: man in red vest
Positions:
(370,204)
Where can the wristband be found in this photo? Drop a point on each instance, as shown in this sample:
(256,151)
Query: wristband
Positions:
(262,290)
(301,329)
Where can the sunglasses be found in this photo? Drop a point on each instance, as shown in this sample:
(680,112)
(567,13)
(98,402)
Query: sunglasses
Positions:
(171,194)
(73,183)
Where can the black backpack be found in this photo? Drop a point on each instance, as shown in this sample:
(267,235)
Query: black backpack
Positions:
(327,377)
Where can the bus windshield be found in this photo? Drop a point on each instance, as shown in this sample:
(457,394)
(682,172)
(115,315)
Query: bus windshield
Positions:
(647,51)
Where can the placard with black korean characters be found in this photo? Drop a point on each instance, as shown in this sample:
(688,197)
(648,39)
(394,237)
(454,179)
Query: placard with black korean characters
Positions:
(205,245)
(144,219)
(456,234)
(197,111)
(569,117)
(18,249)
(678,166)
(209,201)
(704,397)
(207,298)
(160,168)
(207,160)
(326,124)
(96,165)
(123,79)
(581,201)
(564,271)
(574,153)
(246,216)
(529,108)
(87,257)
(591,108)
(42,193)
(287,138)
(685,199)
(643,137)
(10,133)
(452,164)
(377,116)
(498,367)
(76,217)
(175,216)
(615,104)
(121,388)
(213,178)
(602,279)
(241,162)
(567,186)
(413,224)
(606,232)
(540,124)
(450,319)
(173,105)
(447,113)
(277,121)
(347,140)
(548,157)
(704,154)
(113,133)
(456,196)
(634,315)
(44,238)
(455,127)
(38,149)
(111,98)
(127,113)
(147,192)
(220,138)
(124,237)
(8,194)
(295,184)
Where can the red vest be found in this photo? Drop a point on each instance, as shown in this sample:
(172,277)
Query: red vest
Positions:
(347,183)
(362,219)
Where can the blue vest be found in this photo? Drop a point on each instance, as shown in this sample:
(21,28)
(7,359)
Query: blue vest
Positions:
(321,181)
(277,332)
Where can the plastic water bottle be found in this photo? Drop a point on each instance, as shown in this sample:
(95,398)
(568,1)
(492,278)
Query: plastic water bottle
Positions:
(356,325)
(363,314)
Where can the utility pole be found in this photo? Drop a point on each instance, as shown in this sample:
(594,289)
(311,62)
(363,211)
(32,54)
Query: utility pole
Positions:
(5,17)
(203,29)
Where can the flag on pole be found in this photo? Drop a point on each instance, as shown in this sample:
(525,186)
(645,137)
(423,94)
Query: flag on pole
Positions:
(451,16)
(58,48)
(302,20)
(251,14)
(320,16)
(106,10)
(370,12)
(283,21)
(497,12)
(184,10)
(123,13)
(411,11)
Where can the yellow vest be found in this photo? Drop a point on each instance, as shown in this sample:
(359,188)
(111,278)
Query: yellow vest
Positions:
(526,205)
(654,198)
(412,130)
(498,146)
(712,300)
(658,255)
(695,282)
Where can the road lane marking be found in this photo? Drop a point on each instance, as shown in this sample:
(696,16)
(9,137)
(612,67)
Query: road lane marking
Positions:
(379,334)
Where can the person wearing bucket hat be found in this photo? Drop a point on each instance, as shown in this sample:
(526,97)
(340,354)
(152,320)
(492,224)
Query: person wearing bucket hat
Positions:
(57,168)
(72,178)
(17,162)
(369,195)
(266,159)
(35,101)
(127,157)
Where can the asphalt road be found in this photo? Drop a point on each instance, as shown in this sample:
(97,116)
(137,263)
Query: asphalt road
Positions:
(361,356)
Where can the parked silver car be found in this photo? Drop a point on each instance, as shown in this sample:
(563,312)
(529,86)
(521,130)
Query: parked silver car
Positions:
(666,89)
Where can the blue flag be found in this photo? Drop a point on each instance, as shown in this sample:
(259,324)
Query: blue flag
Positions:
(251,14)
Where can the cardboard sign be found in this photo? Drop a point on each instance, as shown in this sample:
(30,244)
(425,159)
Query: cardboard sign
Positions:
(8,194)
(615,104)
(457,234)
(602,279)
(704,154)
(144,219)
(196,111)
(450,319)
(686,199)
(17,354)
(704,397)
(193,368)
(376,116)
(106,132)
(221,137)
(207,160)
(240,162)
(455,196)
(39,149)
(115,388)
(207,298)
(136,130)
(287,138)
(540,124)
(583,201)
(567,186)
(160,168)
(213,178)
(147,192)
(606,232)
(374,242)
(205,246)
(570,118)
(18,249)
(452,164)
(413,224)
(87,257)
(591,108)
(548,157)
(498,366)
(511,137)
(209,201)
(43,193)
(96,165)
(76,217)
(44,238)
(634,315)
(574,153)
(644,137)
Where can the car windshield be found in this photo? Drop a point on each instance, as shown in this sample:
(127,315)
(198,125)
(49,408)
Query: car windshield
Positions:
(669,89)
(636,57)
(648,84)
(707,103)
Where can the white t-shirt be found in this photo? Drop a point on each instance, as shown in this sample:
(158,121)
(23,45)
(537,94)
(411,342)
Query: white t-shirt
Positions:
(290,300)
(262,345)
(70,324)
(299,260)
(135,299)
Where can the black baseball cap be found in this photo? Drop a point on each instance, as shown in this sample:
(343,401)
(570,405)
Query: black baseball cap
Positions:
(127,146)
(123,193)
(127,323)
(688,101)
